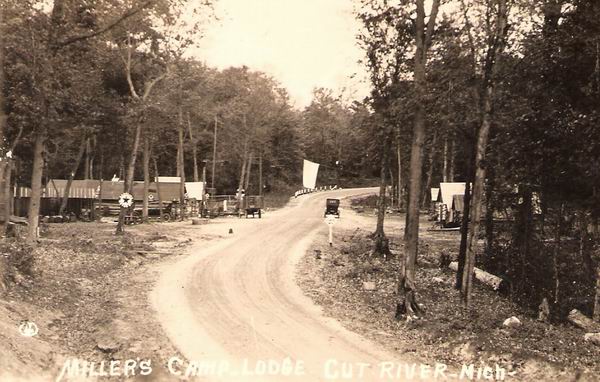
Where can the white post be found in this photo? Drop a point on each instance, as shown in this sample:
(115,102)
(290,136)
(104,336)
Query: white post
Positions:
(331,235)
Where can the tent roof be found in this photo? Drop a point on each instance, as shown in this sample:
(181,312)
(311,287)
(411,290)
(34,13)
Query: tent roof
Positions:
(448,190)
(434,194)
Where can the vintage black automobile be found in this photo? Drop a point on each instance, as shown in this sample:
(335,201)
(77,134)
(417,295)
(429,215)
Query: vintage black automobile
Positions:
(252,205)
(332,207)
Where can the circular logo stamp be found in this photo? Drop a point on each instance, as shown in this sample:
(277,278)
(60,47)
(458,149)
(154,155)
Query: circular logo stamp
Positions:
(28,328)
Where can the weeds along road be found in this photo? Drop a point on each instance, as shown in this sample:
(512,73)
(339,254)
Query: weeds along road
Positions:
(234,304)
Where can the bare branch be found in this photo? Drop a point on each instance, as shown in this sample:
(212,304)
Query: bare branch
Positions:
(435,7)
(469,27)
(151,84)
(128,68)
(129,13)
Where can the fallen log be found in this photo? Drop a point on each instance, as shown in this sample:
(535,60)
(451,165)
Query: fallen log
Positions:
(143,253)
(486,278)
(18,220)
(582,321)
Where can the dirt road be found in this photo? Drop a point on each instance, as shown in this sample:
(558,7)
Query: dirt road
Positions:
(234,307)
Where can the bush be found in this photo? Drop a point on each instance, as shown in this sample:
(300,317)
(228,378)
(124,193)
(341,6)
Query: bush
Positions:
(16,258)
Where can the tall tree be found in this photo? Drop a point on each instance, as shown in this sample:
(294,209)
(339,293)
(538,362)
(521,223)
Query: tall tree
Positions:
(407,304)
(497,15)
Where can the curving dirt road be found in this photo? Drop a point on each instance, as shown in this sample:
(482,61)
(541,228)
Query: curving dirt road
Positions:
(233,307)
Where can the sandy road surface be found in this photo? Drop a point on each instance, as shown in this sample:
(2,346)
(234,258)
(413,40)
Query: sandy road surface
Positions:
(235,304)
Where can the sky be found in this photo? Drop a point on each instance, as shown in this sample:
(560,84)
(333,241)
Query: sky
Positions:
(303,44)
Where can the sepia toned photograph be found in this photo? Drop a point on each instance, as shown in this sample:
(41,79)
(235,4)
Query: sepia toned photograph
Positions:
(299,190)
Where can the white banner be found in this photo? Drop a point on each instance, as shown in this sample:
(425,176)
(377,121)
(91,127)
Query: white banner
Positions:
(309,175)
(195,190)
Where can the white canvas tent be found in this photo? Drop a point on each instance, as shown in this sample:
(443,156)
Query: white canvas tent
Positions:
(446,195)
(434,194)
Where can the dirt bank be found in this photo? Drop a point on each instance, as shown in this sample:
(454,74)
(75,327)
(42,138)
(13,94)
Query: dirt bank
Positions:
(87,291)
(334,279)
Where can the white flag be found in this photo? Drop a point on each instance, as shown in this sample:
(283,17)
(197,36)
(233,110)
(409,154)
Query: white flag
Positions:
(309,176)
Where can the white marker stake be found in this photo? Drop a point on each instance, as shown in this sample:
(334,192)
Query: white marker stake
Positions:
(330,221)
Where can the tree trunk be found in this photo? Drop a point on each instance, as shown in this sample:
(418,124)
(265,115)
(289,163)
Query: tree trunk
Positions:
(464,230)
(489,213)
(36,185)
(8,198)
(491,64)
(596,315)
(194,150)
(445,162)
(88,149)
(381,242)
(406,295)
(128,183)
(178,155)
(392,180)
(122,167)
(67,191)
(242,173)
(4,160)
(158,195)
(478,186)
(181,164)
(400,185)
(4,164)
(451,168)
(248,172)
(426,191)
(260,175)
(407,304)
(214,161)
(93,158)
(146,162)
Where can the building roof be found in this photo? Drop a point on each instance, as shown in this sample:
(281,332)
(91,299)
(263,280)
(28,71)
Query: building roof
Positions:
(83,189)
(168,191)
(89,189)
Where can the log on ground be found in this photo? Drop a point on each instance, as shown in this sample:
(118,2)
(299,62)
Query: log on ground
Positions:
(493,281)
(582,321)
